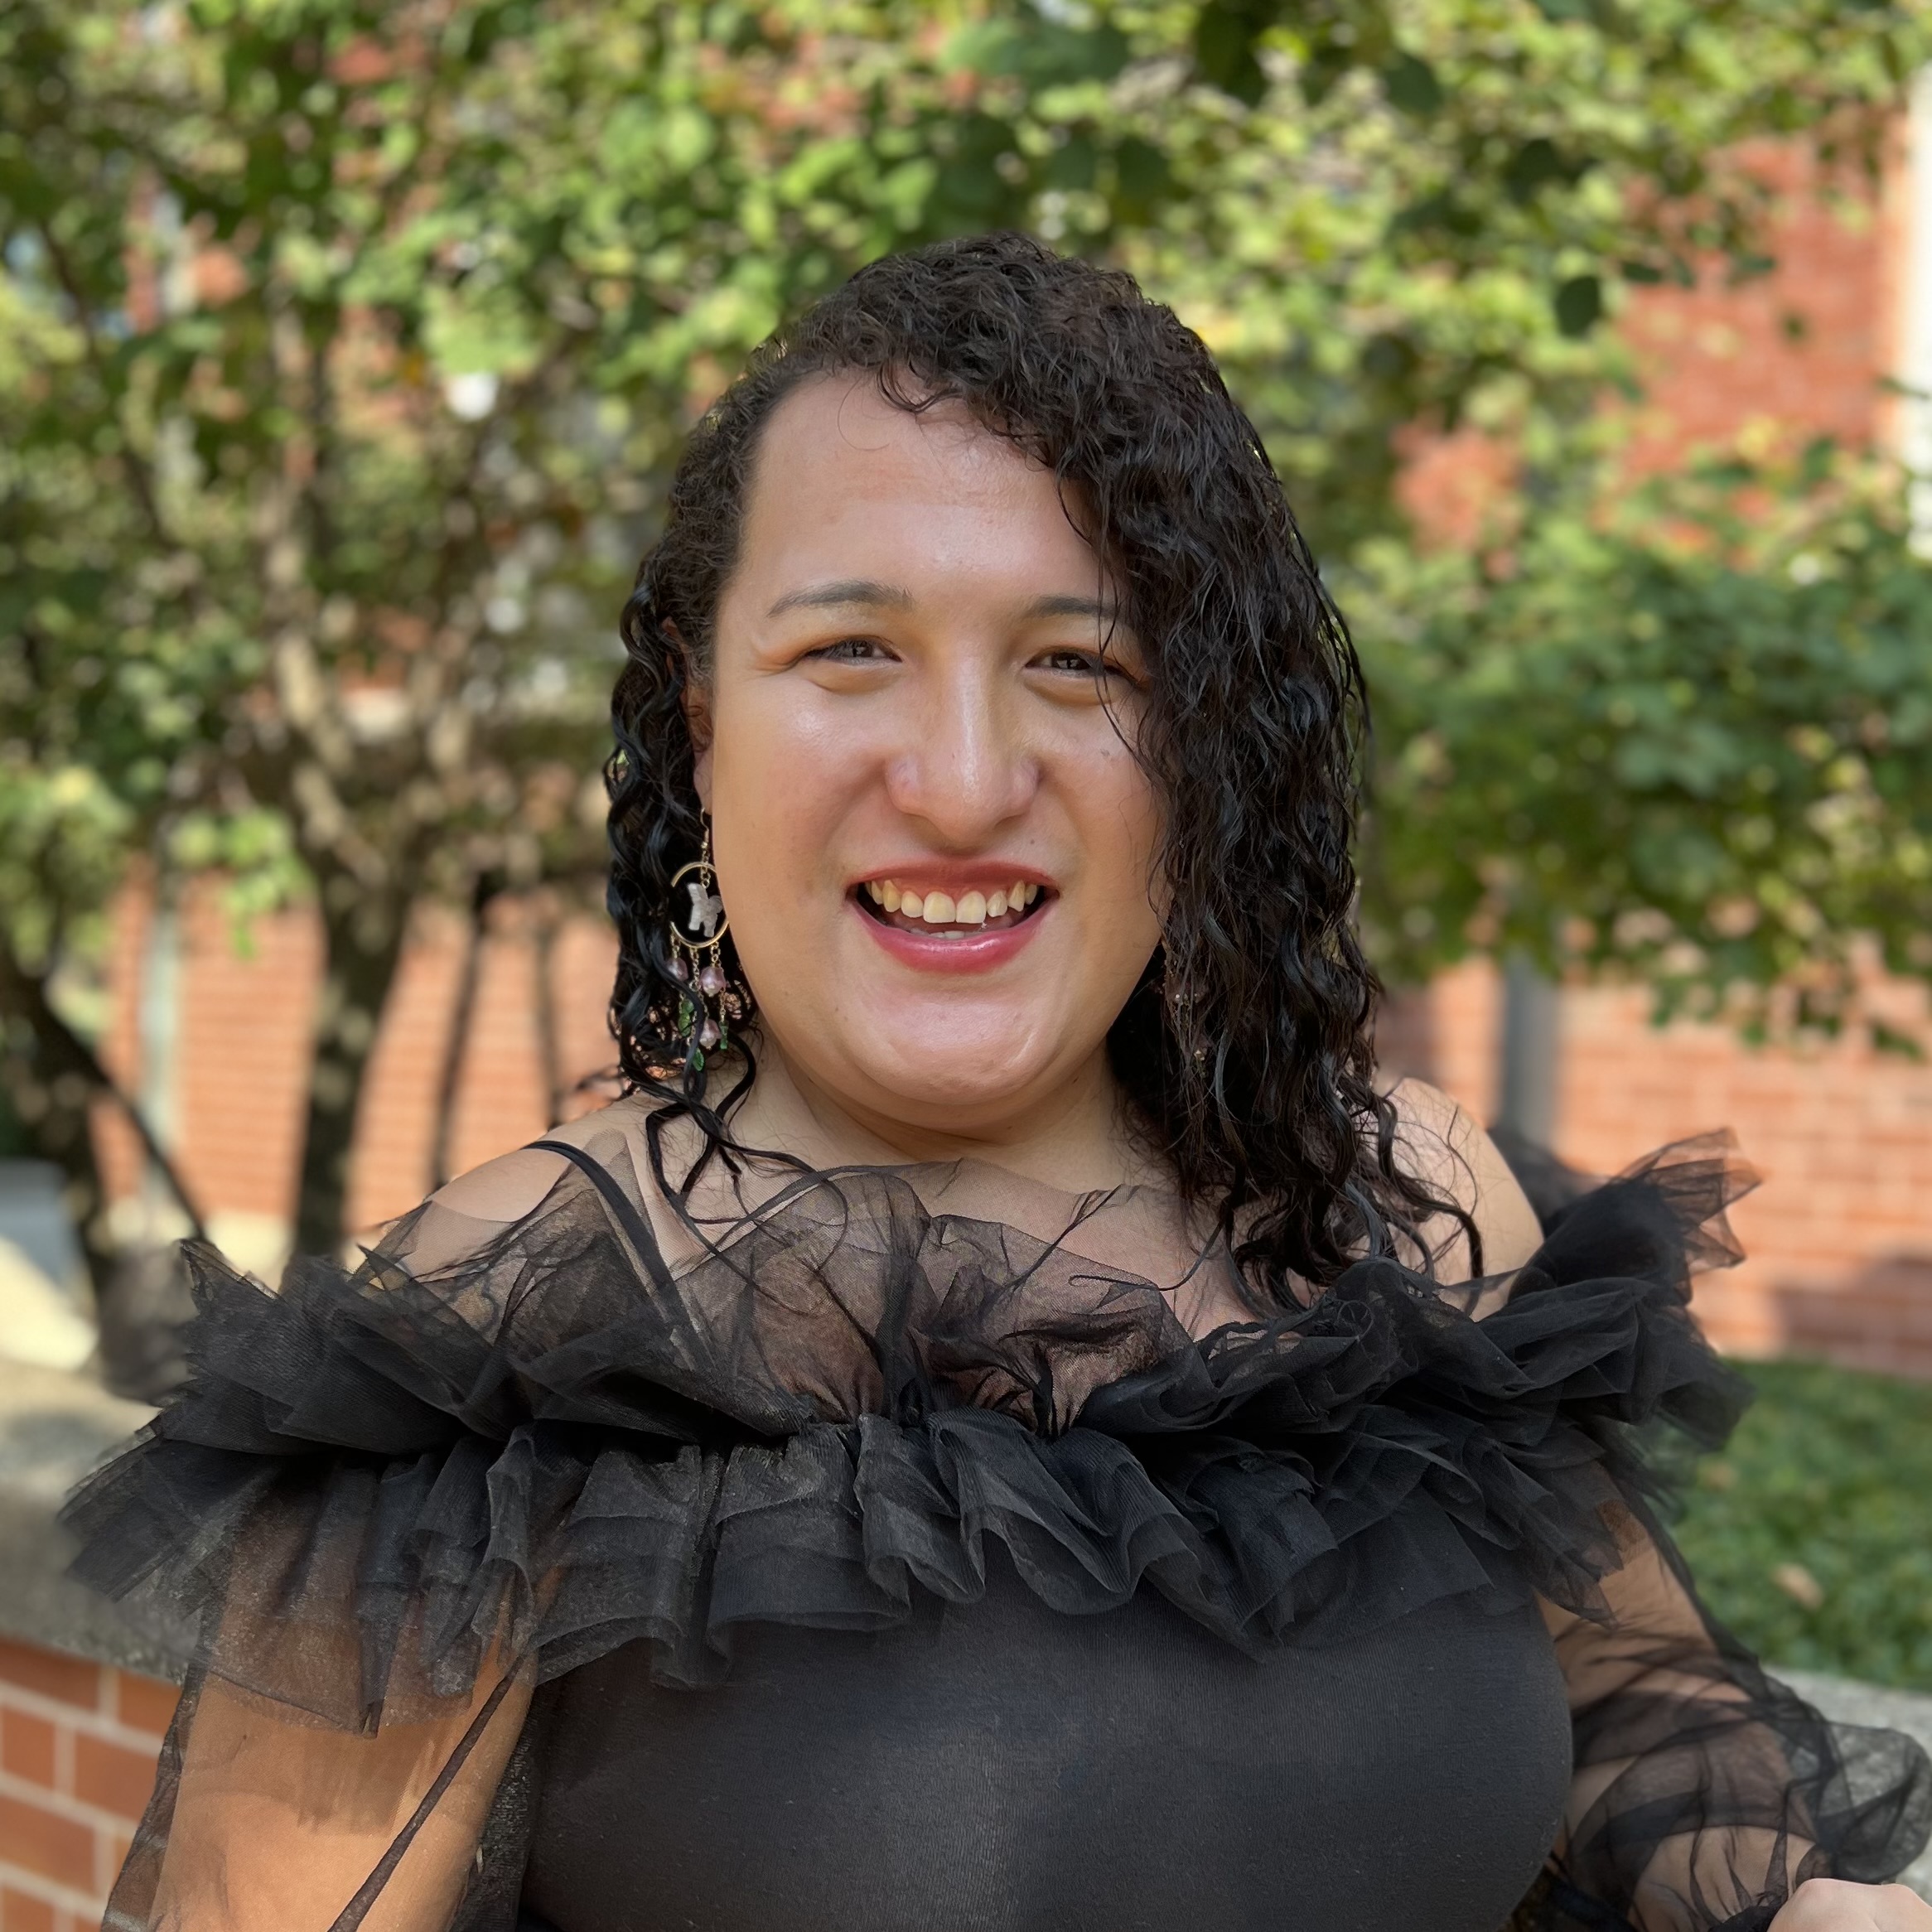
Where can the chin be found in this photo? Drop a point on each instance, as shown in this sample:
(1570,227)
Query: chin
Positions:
(955,1081)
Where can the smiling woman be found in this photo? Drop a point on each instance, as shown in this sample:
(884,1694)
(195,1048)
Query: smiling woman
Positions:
(912,676)
(1004,1425)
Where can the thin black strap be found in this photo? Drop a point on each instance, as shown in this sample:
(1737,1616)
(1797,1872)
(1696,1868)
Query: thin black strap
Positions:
(357,1910)
(633,1223)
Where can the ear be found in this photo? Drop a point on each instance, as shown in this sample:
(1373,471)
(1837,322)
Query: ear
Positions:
(698,717)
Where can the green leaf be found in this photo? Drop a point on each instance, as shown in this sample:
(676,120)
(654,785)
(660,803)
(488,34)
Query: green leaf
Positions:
(1533,166)
(1389,358)
(1224,50)
(1042,53)
(1579,304)
(1412,85)
(1143,177)
(1072,165)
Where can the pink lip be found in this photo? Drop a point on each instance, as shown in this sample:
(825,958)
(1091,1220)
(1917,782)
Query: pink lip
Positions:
(980,954)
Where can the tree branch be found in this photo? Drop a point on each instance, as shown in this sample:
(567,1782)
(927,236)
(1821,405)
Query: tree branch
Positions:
(25,992)
(140,476)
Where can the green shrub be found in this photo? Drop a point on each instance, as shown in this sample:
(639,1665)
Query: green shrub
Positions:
(1811,1535)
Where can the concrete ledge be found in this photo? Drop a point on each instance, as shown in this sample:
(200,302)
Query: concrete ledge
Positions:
(55,1426)
(1845,1701)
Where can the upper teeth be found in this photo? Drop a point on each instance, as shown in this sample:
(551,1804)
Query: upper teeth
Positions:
(942,909)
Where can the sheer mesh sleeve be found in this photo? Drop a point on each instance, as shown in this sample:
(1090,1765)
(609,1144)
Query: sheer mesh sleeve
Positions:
(262,1823)
(341,1739)
(1705,1792)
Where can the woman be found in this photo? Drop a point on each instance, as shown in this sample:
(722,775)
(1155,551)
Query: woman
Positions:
(1003,1426)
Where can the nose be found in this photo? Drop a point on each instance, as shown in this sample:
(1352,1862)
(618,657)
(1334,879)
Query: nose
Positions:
(964,769)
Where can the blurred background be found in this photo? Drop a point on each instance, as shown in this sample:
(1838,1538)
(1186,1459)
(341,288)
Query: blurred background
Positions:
(345,349)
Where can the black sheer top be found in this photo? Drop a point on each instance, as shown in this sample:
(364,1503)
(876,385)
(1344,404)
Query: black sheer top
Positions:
(887,1555)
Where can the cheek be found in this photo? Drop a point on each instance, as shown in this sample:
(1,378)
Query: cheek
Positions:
(1119,820)
(781,784)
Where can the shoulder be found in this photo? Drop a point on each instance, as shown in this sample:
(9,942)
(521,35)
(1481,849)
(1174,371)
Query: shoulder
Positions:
(505,1189)
(603,1156)
(1440,1145)
(609,1139)
(476,1214)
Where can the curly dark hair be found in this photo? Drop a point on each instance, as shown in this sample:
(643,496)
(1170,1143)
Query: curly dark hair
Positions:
(1245,1047)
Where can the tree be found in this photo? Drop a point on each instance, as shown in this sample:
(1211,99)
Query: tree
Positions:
(99,702)
(1692,743)
(344,347)
(1389,218)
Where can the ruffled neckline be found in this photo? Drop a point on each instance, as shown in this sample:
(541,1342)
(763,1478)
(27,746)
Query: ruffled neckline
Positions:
(555,1441)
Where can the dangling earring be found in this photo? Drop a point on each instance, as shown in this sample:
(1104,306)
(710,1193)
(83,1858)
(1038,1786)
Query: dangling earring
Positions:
(707,1000)
(1178,998)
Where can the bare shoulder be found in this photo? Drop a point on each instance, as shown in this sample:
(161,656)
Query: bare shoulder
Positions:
(515,1185)
(1444,1148)
(470,1216)
(505,1189)
(612,1144)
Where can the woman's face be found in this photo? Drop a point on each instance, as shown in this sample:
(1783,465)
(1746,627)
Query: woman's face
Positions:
(934,848)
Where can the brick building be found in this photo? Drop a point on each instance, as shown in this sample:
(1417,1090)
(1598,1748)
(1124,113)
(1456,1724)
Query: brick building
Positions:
(1840,1234)
(77,1743)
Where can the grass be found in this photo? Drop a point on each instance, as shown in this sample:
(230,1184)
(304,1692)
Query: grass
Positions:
(1811,1534)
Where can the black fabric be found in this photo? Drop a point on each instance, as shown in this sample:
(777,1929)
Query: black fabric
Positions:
(546,1441)
(1001,1767)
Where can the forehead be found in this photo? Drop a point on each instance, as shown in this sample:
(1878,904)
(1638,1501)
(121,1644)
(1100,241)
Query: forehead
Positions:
(841,469)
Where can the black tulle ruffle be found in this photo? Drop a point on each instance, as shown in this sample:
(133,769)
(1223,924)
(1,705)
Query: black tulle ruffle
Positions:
(446,1486)
(553,1443)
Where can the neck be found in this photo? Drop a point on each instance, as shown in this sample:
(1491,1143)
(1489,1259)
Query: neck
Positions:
(1075,1138)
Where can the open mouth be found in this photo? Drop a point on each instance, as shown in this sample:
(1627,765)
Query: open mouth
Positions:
(935,914)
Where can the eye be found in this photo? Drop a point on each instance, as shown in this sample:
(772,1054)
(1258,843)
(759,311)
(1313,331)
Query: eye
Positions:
(852,650)
(1069,660)
(1088,663)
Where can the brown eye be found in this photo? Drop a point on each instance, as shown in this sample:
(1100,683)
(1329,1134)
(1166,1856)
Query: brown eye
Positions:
(851,651)
(1087,664)
(1095,666)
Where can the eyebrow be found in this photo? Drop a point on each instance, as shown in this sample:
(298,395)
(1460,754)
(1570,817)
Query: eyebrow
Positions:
(868,593)
(848,592)
(1067,606)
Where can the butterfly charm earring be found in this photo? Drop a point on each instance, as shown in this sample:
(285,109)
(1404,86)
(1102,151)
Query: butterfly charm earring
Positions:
(708,1002)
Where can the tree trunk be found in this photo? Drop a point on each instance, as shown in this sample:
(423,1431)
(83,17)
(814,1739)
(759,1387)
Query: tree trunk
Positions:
(550,923)
(462,1013)
(52,1077)
(363,933)
(50,1096)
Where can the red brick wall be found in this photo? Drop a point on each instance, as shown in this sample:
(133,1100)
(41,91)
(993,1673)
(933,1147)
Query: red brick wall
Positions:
(1761,365)
(1839,1236)
(242,1053)
(1794,353)
(500,1100)
(244,1011)
(78,1744)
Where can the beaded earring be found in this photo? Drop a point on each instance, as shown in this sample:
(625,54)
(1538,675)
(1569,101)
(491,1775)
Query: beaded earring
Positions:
(708,1002)
(1178,995)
